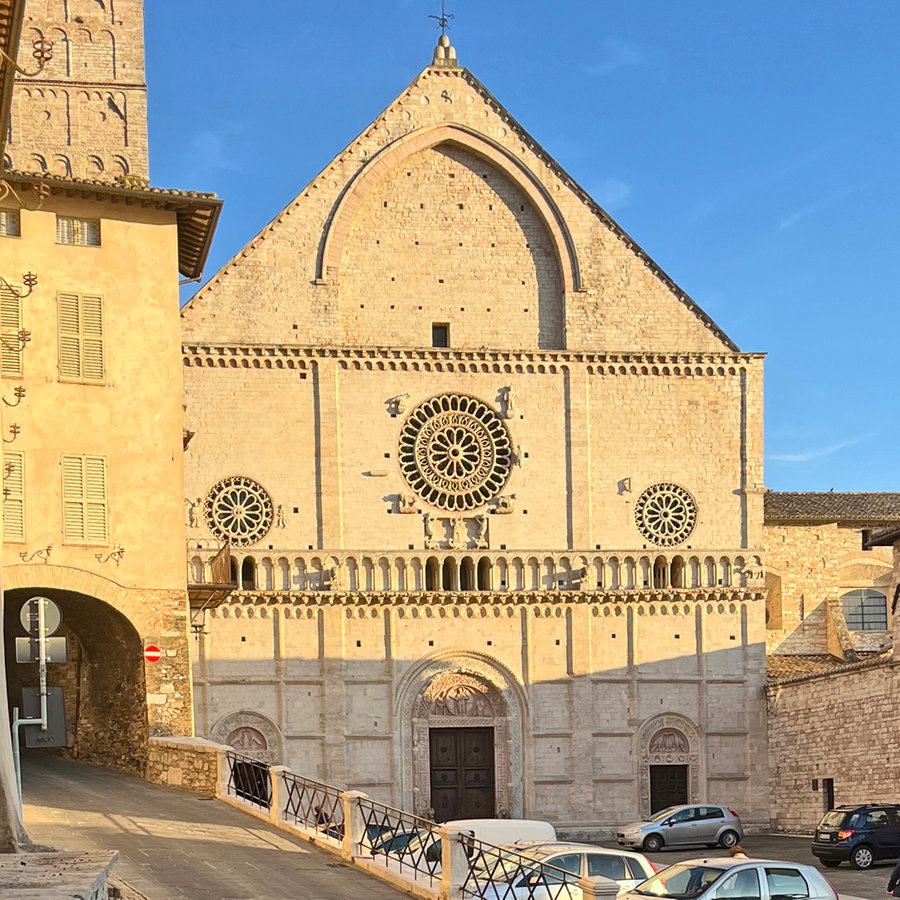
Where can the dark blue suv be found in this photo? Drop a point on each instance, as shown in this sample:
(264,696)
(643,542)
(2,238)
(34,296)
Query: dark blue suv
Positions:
(859,835)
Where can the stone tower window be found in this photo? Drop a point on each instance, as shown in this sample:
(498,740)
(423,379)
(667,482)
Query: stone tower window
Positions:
(455,452)
(440,334)
(239,510)
(665,514)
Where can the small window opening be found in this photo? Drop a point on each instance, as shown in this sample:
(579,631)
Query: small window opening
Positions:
(440,334)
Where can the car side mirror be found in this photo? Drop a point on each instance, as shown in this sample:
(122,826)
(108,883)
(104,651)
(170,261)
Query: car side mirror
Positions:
(670,821)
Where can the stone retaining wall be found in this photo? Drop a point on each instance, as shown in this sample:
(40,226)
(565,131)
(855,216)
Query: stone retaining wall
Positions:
(191,764)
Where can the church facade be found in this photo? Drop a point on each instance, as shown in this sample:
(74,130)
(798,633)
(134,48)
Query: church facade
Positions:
(491,484)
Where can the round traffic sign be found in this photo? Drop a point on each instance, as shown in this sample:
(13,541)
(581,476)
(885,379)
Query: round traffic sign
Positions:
(30,616)
(152,653)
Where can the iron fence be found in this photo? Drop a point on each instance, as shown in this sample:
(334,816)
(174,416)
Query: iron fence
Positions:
(400,839)
(249,779)
(313,804)
(496,873)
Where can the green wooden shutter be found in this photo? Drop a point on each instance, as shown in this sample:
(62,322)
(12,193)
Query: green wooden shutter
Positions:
(14,496)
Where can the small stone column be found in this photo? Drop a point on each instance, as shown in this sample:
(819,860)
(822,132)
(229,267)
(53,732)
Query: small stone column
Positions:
(354,824)
(454,864)
(276,802)
(598,887)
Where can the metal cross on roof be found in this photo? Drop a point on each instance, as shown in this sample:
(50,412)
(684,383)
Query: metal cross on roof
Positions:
(443,19)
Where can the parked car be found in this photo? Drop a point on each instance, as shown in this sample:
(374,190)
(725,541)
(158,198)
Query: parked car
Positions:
(521,869)
(859,834)
(698,823)
(747,879)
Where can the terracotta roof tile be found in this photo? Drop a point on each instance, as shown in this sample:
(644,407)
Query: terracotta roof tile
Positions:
(782,669)
(807,507)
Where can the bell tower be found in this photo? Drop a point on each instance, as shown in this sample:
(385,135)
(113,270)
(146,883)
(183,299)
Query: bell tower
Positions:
(83,115)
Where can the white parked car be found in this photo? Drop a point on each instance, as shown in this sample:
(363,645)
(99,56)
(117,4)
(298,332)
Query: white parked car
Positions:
(536,870)
(730,879)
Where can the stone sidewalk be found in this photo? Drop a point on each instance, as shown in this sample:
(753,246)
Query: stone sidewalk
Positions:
(174,845)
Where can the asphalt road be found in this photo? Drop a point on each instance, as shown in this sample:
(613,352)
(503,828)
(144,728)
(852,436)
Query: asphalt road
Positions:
(851,884)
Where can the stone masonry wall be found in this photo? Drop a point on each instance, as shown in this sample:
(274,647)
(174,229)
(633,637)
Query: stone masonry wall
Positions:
(188,763)
(841,727)
(807,565)
(85,114)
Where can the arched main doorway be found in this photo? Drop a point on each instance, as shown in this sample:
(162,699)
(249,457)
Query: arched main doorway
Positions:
(461,740)
(103,683)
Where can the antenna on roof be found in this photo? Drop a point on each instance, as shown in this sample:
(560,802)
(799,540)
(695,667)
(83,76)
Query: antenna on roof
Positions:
(443,19)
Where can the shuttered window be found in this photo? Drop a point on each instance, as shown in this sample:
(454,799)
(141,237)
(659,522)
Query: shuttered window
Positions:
(14,496)
(84,500)
(82,232)
(10,325)
(81,338)
(10,223)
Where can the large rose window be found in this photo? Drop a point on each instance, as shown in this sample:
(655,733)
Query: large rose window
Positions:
(665,514)
(455,452)
(238,510)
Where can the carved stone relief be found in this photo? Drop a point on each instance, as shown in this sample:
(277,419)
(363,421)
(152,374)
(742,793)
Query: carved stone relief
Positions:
(251,734)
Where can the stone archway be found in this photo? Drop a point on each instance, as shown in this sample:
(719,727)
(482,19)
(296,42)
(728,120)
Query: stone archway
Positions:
(461,691)
(669,740)
(251,734)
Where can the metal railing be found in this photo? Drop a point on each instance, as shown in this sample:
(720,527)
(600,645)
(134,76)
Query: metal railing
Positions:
(400,839)
(501,874)
(313,804)
(249,779)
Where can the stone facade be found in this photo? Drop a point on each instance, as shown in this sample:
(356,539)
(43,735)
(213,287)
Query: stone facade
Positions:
(84,115)
(515,533)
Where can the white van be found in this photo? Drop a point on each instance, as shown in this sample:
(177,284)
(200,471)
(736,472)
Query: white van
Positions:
(491,831)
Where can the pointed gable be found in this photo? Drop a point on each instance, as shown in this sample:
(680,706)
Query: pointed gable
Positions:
(446,211)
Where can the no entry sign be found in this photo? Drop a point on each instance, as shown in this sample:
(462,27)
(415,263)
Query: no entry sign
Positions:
(152,653)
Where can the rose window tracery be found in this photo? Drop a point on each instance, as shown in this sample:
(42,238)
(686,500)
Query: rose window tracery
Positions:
(455,452)
(665,514)
(239,510)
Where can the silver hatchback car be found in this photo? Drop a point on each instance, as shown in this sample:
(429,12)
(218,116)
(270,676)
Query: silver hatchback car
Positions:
(735,879)
(699,823)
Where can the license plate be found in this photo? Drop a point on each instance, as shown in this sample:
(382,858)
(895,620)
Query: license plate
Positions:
(824,836)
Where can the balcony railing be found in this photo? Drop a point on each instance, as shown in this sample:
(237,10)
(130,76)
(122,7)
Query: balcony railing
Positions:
(480,570)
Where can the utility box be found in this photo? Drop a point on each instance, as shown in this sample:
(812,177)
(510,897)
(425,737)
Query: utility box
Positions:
(55,734)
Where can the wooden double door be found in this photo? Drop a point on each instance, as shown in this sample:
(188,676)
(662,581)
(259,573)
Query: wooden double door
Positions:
(668,787)
(462,773)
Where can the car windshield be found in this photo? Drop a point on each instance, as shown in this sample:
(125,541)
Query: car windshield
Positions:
(680,881)
(506,865)
(662,814)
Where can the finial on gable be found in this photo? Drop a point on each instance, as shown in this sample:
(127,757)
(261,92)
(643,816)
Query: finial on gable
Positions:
(444,52)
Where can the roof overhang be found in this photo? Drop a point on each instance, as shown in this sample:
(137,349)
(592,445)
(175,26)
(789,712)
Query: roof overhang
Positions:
(12,13)
(196,214)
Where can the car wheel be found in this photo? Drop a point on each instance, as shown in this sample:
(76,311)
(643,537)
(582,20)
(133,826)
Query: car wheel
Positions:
(830,863)
(862,857)
(653,842)
(728,839)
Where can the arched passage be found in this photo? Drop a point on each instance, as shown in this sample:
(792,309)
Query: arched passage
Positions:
(103,681)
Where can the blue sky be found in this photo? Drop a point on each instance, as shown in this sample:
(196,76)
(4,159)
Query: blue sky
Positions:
(753,150)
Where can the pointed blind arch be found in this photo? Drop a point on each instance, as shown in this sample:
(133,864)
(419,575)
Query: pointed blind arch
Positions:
(391,157)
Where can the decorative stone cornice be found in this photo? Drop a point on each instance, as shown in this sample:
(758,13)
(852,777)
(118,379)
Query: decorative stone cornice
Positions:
(289,356)
(548,599)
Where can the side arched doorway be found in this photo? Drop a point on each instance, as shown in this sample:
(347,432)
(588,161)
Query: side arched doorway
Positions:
(103,682)
(670,762)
